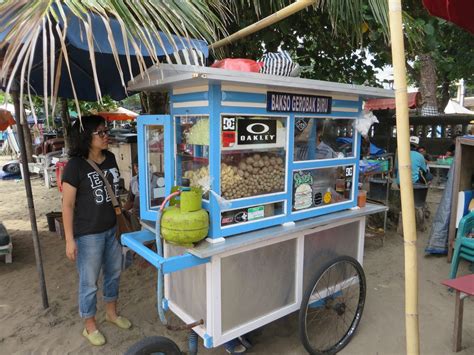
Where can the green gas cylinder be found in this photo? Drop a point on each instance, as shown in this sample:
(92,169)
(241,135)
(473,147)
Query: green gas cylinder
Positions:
(185,221)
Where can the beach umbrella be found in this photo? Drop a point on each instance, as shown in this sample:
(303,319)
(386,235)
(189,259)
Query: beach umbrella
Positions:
(6,119)
(92,68)
(83,55)
(120,114)
(460,12)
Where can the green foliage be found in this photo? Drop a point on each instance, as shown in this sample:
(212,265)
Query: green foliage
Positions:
(132,103)
(92,107)
(310,38)
(3,96)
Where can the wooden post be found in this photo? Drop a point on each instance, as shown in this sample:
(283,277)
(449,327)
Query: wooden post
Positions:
(267,21)
(458,314)
(29,197)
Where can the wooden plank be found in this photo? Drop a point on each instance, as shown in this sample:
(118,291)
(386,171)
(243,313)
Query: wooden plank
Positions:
(458,315)
(463,170)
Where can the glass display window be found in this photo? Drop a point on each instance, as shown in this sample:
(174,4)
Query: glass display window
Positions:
(192,151)
(253,160)
(156,164)
(314,188)
(323,138)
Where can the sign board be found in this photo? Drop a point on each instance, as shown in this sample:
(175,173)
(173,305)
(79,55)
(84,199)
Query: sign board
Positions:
(285,102)
(254,131)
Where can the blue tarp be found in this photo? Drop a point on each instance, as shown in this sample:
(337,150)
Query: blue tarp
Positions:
(79,59)
(374,150)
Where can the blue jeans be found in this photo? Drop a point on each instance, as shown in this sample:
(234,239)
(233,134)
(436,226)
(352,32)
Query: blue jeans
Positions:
(96,252)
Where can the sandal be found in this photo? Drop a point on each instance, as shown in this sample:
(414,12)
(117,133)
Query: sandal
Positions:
(245,341)
(120,322)
(95,338)
(234,346)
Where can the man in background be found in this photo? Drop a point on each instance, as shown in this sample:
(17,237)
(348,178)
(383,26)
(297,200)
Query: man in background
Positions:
(419,170)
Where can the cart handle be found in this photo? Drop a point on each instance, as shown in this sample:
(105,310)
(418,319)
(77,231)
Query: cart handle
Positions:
(135,241)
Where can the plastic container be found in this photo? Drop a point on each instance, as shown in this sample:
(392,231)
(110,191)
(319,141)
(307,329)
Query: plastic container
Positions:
(361,198)
(445,160)
(419,194)
(378,165)
(378,189)
(51,216)
(340,185)
(58,221)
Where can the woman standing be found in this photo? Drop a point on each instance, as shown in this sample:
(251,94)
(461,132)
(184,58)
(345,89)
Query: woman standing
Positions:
(90,223)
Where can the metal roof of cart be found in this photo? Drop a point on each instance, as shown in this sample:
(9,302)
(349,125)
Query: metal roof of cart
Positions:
(165,77)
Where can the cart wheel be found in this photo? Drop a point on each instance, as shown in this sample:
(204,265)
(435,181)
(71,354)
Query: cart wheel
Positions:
(154,345)
(332,306)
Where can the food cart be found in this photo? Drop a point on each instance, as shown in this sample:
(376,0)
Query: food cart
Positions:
(285,233)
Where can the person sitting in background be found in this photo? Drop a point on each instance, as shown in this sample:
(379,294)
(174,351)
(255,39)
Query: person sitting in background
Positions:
(419,169)
(422,151)
(323,150)
(452,148)
(132,205)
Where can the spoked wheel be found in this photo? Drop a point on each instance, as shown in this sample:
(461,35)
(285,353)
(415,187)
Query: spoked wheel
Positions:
(154,345)
(332,306)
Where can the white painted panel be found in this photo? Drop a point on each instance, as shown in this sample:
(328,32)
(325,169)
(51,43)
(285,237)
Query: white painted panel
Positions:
(243,104)
(344,109)
(190,89)
(202,103)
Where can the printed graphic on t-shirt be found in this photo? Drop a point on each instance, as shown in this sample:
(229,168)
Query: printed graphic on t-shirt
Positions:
(99,190)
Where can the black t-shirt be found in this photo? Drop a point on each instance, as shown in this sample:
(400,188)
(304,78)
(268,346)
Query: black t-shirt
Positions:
(93,210)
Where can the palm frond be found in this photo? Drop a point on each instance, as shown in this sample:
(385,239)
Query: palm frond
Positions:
(30,25)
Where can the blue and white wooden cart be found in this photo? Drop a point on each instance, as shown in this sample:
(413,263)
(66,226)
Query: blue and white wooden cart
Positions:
(282,200)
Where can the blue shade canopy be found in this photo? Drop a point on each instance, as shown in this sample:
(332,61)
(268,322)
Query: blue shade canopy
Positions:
(108,74)
(76,37)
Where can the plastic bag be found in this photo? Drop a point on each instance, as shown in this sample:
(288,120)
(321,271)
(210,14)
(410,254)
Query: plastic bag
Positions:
(205,184)
(223,203)
(239,64)
(364,122)
(279,63)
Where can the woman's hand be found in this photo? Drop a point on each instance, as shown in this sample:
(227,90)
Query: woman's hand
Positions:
(71,250)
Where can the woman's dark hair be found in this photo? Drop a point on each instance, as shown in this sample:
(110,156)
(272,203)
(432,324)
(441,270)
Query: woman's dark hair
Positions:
(81,137)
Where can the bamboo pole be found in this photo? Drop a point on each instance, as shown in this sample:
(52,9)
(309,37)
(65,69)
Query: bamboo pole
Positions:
(267,21)
(406,185)
(29,196)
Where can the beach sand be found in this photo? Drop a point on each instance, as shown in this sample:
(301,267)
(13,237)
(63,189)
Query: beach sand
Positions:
(25,327)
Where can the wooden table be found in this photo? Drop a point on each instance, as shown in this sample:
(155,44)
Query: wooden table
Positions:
(464,286)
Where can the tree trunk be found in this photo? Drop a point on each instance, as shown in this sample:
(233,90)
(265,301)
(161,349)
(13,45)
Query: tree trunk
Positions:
(157,103)
(444,93)
(144,102)
(66,122)
(428,79)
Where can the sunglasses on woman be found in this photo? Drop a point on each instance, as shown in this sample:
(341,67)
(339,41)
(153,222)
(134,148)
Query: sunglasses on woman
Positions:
(101,133)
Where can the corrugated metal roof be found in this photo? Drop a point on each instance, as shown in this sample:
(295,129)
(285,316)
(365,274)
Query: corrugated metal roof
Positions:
(389,104)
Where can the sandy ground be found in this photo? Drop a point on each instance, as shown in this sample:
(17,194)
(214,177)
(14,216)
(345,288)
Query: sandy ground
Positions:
(25,327)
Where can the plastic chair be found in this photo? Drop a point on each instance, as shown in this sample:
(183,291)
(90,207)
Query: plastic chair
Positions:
(463,246)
